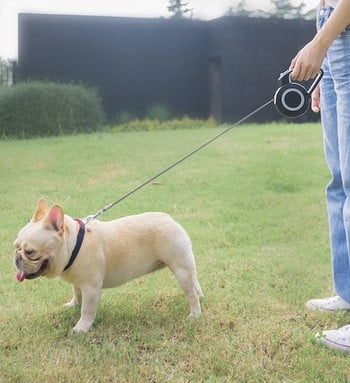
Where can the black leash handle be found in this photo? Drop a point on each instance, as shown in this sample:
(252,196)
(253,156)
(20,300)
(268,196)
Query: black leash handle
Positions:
(109,206)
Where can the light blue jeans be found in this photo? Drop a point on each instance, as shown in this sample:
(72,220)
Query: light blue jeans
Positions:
(335,117)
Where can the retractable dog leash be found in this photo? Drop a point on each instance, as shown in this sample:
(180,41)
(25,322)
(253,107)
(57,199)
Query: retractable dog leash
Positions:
(291,100)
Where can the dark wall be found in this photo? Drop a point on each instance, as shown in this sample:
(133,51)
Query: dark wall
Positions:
(133,62)
(225,67)
(252,52)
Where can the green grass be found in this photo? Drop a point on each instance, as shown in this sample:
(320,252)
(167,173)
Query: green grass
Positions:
(253,204)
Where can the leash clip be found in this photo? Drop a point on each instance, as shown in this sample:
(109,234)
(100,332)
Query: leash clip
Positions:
(89,218)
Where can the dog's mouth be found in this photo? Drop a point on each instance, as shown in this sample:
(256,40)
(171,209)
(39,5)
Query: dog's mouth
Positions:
(22,275)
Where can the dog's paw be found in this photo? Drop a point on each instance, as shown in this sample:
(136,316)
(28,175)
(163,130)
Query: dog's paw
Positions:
(195,315)
(71,303)
(82,326)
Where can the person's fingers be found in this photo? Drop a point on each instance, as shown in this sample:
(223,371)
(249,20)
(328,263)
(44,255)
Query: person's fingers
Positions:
(316,100)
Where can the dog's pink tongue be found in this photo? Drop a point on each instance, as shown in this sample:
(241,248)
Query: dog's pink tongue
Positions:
(21,276)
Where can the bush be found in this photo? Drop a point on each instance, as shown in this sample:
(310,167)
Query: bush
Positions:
(48,109)
(158,112)
(123,118)
(149,125)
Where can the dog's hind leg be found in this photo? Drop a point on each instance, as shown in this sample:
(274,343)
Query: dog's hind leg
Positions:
(198,288)
(188,281)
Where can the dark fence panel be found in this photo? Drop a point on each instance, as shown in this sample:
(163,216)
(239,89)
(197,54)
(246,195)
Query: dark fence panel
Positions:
(225,67)
(133,62)
(251,53)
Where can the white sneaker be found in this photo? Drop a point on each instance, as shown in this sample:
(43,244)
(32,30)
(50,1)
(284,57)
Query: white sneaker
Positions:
(335,339)
(331,304)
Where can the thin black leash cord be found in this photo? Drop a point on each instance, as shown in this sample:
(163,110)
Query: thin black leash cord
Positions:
(109,206)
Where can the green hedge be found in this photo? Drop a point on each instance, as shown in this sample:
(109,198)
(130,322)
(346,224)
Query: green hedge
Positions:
(33,109)
(150,124)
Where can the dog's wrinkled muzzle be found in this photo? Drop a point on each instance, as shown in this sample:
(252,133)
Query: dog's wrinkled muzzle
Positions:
(22,275)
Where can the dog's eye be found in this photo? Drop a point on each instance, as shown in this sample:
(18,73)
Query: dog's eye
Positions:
(30,254)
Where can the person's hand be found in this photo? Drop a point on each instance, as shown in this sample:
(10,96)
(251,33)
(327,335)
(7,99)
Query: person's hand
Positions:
(307,63)
(316,100)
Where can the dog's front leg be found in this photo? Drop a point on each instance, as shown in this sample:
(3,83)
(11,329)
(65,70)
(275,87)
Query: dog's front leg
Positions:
(76,297)
(90,298)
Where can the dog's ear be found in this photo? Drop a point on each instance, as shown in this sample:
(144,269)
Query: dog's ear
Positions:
(41,210)
(55,218)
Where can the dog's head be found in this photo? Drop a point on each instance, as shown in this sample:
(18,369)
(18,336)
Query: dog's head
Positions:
(39,243)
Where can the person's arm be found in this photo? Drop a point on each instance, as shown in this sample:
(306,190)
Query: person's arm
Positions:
(307,63)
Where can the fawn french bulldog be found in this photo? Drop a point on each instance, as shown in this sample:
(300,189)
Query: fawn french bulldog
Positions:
(104,254)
